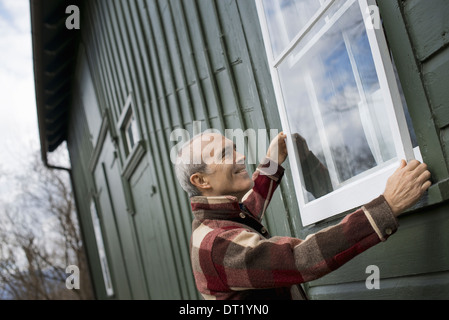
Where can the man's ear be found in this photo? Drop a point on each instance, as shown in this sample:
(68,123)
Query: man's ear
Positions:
(200,181)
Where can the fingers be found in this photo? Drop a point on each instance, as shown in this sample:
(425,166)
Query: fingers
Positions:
(424,180)
(402,165)
(407,185)
(426,185)
(281,137)
(421,172)
(424,176)
(413,164)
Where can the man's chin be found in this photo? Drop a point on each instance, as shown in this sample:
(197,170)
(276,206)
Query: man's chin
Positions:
(245,191)
(250,187)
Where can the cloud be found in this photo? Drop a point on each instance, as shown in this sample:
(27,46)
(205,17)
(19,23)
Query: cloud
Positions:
(16,13)
(18,117)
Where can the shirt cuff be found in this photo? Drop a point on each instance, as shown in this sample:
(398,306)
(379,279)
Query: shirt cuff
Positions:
(270,168)
(379,214)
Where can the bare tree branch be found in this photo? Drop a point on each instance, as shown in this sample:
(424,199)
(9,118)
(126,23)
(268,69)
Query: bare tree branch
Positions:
(40,237)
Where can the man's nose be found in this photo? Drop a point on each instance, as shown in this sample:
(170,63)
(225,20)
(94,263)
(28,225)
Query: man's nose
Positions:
(240,158)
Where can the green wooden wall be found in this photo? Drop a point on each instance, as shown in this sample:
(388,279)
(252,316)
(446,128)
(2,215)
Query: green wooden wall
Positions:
(181,61)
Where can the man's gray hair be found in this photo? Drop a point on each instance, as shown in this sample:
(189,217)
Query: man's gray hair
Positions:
(185,169)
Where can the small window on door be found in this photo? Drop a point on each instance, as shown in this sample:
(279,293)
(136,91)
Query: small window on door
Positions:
(338,100)
(131,132)
(128,127)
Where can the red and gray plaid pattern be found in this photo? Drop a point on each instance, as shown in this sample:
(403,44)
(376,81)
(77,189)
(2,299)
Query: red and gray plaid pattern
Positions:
(234,258)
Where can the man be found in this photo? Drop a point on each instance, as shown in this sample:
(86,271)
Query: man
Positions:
(232,254)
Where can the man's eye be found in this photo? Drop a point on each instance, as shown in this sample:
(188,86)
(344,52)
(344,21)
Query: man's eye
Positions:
(227,153)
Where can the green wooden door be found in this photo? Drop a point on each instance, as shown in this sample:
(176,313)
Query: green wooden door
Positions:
(127,273)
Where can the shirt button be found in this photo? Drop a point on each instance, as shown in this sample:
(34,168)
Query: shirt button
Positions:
(388,231)
(263,230)
(242,215)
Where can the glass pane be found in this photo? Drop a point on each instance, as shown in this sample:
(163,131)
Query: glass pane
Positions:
(129,133)
(285,18)
(101,250)
(334,104)
(132,134)
(135,132)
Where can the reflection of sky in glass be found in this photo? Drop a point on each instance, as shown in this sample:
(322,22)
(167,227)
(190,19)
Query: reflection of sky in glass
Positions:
(333,98)
(285,19)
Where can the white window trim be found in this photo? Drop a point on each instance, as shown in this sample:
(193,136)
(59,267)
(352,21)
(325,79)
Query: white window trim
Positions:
(369,186)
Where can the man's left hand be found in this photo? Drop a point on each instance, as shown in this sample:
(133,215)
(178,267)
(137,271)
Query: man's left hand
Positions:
(277,151)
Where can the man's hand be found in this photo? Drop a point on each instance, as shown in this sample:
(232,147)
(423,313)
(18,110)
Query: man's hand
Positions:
(406,185)
(278,147)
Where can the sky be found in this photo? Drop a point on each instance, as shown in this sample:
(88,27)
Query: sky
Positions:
(19,135)
(18,117)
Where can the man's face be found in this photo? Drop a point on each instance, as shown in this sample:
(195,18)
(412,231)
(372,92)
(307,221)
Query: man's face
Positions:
(228,175)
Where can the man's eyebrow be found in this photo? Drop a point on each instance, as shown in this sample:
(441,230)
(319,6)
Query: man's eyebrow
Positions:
(223,152)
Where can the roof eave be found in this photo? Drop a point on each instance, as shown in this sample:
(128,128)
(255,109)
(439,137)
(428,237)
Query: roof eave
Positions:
(53,47)
(37,48)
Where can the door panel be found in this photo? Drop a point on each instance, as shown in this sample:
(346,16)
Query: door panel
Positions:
(123,246)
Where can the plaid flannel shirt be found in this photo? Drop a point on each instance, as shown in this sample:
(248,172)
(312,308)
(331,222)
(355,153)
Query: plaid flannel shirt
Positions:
(234,257)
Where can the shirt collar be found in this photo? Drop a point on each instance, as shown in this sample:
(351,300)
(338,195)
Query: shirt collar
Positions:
(219,207)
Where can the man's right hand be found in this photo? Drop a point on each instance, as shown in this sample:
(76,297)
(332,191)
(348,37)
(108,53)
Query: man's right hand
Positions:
(406,185)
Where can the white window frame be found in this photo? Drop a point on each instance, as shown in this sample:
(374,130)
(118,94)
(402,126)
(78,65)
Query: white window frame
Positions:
(368,186)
